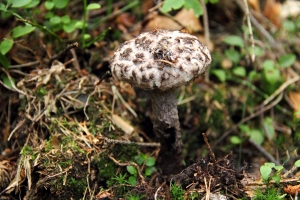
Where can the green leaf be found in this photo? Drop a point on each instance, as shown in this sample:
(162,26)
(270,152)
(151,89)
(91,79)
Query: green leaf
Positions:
(279,168)
(269,128)
(289,25)
(60,3)
(220,74)
(3,61)
(139,160)
(239,71)
(276,178)
(32,4)
(87,36)
(172,4)
(257,51)
(234,40)
(297,163)
(132,170)
(132,180)
(272,76)
(195,5)
(19,3)
(70,27)
(233,55)
(55,20)
(49,5)
(268,64)
(270,164)
(235,140)
(5,46)
(65,19)
(22,30)
(265,172)
(257,136)
(297,22)
(150,161)
(149,171)
(7,82)
(286,60)
(93,6)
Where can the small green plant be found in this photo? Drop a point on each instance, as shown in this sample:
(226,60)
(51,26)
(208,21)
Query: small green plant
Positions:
(187,4)
(194,195)
(269,194)
(176,192)
(267,175)
(142,160)
(134,197)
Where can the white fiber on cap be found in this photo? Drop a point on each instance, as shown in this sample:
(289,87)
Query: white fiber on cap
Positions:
(160,59)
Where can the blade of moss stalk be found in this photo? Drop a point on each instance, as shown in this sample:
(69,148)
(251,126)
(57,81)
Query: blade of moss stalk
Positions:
(125,8)
(98,38)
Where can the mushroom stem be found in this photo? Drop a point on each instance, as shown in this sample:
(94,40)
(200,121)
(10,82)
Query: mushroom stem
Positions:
(167,129)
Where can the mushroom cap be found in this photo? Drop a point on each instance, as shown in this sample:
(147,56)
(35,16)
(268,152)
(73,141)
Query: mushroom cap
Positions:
(160,59)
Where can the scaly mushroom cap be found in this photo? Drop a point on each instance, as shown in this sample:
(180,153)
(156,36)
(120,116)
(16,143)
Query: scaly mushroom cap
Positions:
(160,59)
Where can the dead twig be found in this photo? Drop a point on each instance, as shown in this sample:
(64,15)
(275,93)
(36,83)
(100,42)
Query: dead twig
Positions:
(63,52)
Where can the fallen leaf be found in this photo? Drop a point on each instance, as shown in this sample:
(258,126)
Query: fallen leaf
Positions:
(188,19)
(161,22)
(272,11)
(295,99)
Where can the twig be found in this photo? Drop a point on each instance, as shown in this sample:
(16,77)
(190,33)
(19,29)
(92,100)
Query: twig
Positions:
(143,144)
(206,33)
(264,152)
(71,46)
(247,13)
(117,94)
(280,89)
(209,148)
(24,65)
(263,31)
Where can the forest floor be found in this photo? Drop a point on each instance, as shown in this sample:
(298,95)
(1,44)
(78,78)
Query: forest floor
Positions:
(69,130)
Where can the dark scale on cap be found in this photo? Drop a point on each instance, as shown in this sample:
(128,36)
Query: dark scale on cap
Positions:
(188,40)
(137,61)
(188,58)
(142,68)
(180,50)
(139,55)
(126,53)
(181,68)
(151,76)
(134,75)
(195,71)
(125,69)
(144,79)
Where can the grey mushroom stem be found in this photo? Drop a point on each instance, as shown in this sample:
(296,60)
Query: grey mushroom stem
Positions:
(167,129)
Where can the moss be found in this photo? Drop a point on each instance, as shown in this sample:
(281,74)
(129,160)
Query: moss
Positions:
(27,150)
(77,185)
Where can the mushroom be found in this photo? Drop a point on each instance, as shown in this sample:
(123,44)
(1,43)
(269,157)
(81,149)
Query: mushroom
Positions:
(161,61)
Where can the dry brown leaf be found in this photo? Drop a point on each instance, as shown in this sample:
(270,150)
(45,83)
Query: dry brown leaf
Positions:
(162,22)
(272,11)
(254,4)
(295,98)
(188,19)
(292,189)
